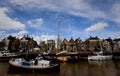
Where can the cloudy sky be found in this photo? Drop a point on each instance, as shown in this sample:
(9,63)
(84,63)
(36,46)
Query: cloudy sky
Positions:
(78,18)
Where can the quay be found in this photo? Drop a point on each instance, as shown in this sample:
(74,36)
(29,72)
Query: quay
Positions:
(82,55)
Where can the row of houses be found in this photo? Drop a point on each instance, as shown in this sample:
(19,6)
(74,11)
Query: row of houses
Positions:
(14,44)
(90,44)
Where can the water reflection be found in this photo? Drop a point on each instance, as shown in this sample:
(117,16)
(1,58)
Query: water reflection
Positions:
(117,67)
(74,69)
(92,68)
(83,68)
(3,69)
(105,68)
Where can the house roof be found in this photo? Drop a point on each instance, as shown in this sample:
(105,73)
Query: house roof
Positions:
(26,37)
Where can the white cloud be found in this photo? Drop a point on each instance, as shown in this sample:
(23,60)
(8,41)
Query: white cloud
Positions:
(116,12)
(73,7)
(2,34)
(7,23)
(36,38)
(52,4)
(43,37)
(36,23)
(20,34)
(96,27)
(84,8)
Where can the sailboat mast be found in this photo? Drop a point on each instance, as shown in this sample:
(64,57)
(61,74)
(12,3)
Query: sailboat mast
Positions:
(101,49)
(58,36)
(101,46)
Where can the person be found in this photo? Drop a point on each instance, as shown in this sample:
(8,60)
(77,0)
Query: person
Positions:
(36,62)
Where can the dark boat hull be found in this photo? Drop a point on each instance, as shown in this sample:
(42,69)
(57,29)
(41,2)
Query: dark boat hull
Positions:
(7,58)
(51,58)
(52,68)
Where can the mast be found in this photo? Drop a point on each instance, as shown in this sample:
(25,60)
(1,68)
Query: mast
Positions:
(58,36)
(101,46)
(101,49)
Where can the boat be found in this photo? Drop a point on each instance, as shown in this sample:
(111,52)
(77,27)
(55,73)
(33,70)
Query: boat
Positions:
(51,58)
(65,56)
(68,58)
(99,55)
(35,65)
(6,55)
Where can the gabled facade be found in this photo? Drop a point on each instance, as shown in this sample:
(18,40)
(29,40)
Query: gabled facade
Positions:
(78,44)
(116,46)
(27,43)
(50,45)
(93,44)
(8,42)
(106,46)
(65,44)
(71,45)
(110,44)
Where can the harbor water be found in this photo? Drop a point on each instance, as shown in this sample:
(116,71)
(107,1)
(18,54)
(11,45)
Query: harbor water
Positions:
(83,68)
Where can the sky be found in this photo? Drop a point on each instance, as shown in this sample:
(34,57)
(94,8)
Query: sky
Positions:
(78,18)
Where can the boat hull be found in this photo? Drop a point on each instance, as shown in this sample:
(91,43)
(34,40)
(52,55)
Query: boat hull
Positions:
(51,58)
(21,68)
(6,58)
(100,58)
(68,58)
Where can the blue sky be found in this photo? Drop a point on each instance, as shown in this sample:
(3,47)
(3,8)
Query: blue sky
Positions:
(78,18)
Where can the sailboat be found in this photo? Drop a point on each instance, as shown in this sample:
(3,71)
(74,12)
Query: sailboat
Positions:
(50,57)
(100,56)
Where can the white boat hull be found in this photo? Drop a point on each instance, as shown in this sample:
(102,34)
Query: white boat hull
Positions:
(33,68)
(100,57)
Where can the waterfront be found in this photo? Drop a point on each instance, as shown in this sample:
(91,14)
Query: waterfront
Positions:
(83,68)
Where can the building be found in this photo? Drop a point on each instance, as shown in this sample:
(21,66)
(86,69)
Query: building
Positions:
(110,44)
(116,46)
(8,42)
(50,46)
(78,44)
(65,45)
(93,44)
(106,46)
(71,45)
(27,43)
(43,46)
